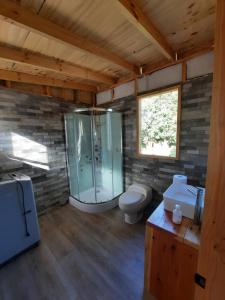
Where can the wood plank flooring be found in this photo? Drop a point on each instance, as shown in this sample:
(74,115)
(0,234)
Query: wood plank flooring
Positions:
(81,256)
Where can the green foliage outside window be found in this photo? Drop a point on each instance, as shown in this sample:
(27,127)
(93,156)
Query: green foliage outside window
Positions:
(158,121)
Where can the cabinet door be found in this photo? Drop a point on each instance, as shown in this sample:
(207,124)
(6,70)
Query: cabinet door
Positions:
(173,265)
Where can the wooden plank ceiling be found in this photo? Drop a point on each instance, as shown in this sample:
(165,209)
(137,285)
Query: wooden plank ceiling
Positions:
(96,43)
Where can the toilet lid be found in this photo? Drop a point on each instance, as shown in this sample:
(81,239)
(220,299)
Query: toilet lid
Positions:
(131,198)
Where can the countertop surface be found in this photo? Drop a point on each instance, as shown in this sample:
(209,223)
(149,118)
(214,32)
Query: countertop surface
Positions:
(186,232)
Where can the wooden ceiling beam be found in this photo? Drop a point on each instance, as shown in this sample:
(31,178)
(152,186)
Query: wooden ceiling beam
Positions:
(195,51)
(135,14)
(181,57)
(15,13)
(53,64)
(71,95)
(38,90)
(42,80)
(153,67)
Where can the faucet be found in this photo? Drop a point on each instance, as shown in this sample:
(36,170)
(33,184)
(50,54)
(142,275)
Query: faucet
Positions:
(197,214)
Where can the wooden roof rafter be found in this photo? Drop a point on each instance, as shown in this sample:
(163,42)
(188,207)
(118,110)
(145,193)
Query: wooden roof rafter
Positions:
(15,13)
(57,57)
(44,80)
(181,57)
(135,14)
(153,67)
(53,64)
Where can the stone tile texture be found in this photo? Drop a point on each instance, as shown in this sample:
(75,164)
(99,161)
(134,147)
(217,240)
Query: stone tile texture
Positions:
(32,129)
(194,138)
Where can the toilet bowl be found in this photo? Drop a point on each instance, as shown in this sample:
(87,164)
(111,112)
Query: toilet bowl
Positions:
(133,202)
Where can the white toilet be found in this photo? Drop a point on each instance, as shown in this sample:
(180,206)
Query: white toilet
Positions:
(133,202)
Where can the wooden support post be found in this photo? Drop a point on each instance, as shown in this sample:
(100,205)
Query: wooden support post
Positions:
(94,99)
(8,84)
(48,91)
(135,87)
(211,264)
(113,94)
(184,71)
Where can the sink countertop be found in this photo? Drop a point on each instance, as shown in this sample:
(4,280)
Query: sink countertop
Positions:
(186,232)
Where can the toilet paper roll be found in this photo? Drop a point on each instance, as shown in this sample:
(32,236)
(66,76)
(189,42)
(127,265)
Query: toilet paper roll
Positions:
(180,179)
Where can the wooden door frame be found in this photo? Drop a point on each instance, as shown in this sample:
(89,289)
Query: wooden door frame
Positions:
(211,262)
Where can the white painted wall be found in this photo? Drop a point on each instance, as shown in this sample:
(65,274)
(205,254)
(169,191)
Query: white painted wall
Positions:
(104,97)
(161,78)
(196,67)
(124,90)
(200,65)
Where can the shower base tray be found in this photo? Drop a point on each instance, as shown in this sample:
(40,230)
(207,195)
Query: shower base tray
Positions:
(93,207)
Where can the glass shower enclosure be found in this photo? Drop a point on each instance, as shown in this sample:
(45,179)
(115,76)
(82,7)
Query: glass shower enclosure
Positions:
(94,154)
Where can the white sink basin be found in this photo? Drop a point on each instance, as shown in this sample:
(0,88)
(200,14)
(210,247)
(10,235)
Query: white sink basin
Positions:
(178,193)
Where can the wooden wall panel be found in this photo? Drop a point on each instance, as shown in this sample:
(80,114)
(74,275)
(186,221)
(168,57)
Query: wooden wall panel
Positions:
(211,263)
(167,271)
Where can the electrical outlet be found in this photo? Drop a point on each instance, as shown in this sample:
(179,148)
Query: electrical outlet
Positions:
(200,280)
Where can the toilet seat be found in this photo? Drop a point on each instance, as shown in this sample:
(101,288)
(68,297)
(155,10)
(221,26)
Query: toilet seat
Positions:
(130,198)
(133,202)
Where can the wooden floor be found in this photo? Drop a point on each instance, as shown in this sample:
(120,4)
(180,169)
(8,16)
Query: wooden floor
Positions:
(81,256)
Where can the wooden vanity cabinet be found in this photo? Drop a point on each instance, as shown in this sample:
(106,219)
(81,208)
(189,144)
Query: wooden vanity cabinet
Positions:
(171,253)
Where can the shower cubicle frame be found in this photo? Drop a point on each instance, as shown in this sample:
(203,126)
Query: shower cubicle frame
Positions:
(91,207)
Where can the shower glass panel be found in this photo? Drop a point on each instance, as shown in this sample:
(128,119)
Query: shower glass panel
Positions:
(71,155)
(84,156)
(103,156)
(94,151)
(117,153)
(79,153)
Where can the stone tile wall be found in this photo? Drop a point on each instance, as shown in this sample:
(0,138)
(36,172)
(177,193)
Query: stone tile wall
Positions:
(32,129)
(194,137)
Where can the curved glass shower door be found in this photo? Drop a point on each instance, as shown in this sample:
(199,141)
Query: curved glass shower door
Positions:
(79,154)
(94,151)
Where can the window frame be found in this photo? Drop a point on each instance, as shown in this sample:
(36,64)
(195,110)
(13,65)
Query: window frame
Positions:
(155,92)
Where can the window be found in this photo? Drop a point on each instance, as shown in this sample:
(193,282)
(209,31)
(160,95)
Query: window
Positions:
(158,115)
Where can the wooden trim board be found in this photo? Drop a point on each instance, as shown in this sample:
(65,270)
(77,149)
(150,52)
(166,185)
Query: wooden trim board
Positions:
(42,80)
(158,91)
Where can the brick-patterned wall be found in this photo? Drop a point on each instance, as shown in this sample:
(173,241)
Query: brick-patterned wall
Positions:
(194,135)
(32,127)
